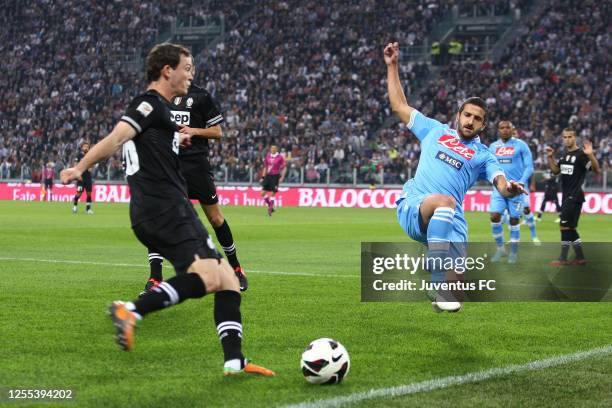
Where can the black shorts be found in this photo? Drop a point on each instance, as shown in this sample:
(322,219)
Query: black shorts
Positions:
(84,184)
(270,183)
(200,179)
(48,184)
(178,235)
(570,213)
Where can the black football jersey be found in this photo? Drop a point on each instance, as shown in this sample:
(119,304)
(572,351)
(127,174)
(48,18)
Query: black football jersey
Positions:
(573,167)
(151,158)
(199,110)
(86,174)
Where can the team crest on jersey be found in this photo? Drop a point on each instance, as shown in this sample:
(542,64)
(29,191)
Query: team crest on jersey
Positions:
(177,100)
(504,151)
(454,144)
(451,161)
(189,102)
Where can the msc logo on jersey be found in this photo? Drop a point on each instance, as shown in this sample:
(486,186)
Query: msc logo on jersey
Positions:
(180,117)
(504,151)
(567,169)
(451,161)
(453,143)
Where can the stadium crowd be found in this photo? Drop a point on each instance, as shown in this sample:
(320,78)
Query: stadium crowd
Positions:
(306,76)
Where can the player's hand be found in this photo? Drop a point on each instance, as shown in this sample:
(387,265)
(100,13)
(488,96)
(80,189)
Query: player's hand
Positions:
(391,53)
(588,148)
(187,130)
(550,151)
(515,188)
(69,174)
(184,139)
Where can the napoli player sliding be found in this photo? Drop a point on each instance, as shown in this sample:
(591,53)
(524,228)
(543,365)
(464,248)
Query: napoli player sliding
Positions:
(273,174)
(515,159)
(430,207)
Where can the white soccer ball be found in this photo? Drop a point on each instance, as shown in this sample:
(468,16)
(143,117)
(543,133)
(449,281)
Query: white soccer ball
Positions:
(325,361)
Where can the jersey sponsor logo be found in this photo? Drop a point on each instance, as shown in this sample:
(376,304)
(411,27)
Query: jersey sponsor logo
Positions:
(451,161)
(504,161)
(504,151)
(180,117)
(567,169)
(145,108)
(453,143)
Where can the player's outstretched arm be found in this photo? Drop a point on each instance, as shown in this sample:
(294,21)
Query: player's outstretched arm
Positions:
(397,98)
(554,167)
(213,132)
(508,188)
(588,150)
(102,150)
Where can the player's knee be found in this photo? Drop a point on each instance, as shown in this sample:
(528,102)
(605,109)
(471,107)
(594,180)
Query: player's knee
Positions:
(526,210)
(215,217)
(514,221)
(495,217)
(446,201)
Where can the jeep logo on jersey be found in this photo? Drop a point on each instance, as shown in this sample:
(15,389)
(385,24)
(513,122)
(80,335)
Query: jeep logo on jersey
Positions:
(504,151)
(567,169)
(451,161)
(180,117)
(453,143)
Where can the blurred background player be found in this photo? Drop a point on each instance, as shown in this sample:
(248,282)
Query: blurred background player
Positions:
(430,208)
(573,166)
(514,157)
(528,217)
(83,183)
(48,175)
(198,115)
(273,174)
(551,188)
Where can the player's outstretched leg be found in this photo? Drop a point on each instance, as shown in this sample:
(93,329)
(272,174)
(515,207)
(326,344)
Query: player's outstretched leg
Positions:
(438,211)
(156,262)
(203,276)
(226,240)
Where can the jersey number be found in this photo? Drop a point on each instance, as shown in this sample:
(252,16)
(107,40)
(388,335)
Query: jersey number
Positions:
(130,158)
(176,142)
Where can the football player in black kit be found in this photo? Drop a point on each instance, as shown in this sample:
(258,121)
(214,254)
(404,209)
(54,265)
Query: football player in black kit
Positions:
(550,194)
(161,214)
(573,165)
(83,183)
(198,115)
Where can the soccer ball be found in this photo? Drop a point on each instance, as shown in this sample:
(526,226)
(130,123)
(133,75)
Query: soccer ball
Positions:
(325,361)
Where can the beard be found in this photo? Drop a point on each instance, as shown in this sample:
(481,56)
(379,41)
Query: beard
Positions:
(469,133)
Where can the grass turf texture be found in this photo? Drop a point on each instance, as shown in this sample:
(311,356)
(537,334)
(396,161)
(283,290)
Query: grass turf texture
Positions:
(55,333)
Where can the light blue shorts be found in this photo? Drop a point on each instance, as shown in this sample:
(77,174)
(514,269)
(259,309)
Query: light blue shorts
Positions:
(409,218)
(499,204)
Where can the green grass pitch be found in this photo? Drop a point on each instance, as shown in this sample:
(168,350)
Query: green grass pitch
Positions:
(304,284)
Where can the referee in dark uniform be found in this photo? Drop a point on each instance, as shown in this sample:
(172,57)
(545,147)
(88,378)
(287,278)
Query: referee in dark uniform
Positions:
(198,115)
(573,165)
(161,214)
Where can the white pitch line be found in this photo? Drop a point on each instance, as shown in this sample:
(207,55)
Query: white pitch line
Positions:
(66,261)
(445,382)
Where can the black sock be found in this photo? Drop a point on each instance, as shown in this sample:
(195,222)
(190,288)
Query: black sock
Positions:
(229,323)
(171,292)
(88,207)
(566,240)
(75,200)
(155,262)
(224,236)
(577,244)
